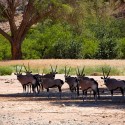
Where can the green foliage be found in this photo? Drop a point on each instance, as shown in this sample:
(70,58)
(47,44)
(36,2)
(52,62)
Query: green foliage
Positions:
(120,48)
(6,71)
(69,49)
(51,37)
(51,41)
(113,70)
(59,40)
(107,33)
(89,48)
(30,50)
(88,32)
(30,47)
(97,70)
(4,49)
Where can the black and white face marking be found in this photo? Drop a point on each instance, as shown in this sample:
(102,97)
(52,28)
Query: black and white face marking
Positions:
(105,79)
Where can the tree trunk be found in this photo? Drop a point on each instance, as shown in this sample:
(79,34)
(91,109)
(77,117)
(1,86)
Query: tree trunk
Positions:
(16,50)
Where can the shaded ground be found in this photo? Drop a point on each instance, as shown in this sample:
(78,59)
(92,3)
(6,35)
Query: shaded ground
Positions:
(20,109)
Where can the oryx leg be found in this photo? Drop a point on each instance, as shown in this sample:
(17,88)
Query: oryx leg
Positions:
(90,93)
(33,89)
(30,87)
(84,94)
(72,92)
(27,89)
(38,89)
(111,94)
(48,93)
(60,92)
(122,91)
(95,95)
(77,90)
(41,88)
(98,93)
(75,93)
(24,88)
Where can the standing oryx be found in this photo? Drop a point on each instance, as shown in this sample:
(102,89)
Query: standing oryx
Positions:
(50,75)
(72,82)
(35,76)
(113,84)
(51,83)
(86,83)
(48,81)
(25,79)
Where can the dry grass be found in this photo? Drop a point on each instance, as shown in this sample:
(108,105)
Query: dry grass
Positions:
(45,63)
(63,62)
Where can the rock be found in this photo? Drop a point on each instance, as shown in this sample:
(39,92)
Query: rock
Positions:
(63,105)
(50,122)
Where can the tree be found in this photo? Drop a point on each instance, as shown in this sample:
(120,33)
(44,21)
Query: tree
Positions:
(32,12)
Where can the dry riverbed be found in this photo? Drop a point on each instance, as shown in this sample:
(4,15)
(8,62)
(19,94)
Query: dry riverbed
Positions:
(20,109)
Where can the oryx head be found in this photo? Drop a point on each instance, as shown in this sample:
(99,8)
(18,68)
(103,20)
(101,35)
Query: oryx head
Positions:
(67,73)
(53,71)
(18,73)
(105,76)
(72,81)
(27,70)
(80,73)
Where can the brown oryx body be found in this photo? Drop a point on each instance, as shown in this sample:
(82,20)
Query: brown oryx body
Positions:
(113,84)
(72,82)
(86,83)
(25,80)
(51,83)
(50,75)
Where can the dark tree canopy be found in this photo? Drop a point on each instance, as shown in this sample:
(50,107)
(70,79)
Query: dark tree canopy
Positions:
(33,11)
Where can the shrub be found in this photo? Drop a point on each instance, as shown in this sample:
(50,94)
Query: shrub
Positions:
(4,49)
(6,71)
(97,70)
(89,48)
(121,49)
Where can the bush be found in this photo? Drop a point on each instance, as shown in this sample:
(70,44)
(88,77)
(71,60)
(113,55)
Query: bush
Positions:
(120,49)
(97,70)
(6,71)
(59,40)
(107,33)
(5,52)
(89,48)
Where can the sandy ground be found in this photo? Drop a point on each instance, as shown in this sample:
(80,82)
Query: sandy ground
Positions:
(17,108)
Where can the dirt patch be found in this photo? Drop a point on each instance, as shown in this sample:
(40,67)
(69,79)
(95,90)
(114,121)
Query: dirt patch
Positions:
(17,108)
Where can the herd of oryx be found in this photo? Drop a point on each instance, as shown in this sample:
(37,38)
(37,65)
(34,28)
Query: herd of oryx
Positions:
(37,82)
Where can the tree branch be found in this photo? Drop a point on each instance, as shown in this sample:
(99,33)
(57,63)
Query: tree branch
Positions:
(5,35)
(11,12)
(29,13)
(36,18)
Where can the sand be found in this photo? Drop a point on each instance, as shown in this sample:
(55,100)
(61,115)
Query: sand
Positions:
(17,108)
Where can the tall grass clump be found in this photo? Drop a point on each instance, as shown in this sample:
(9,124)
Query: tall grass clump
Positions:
(92,70)
(6,71)
(61,70)
(97,70)
(40,70)
(88,71)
